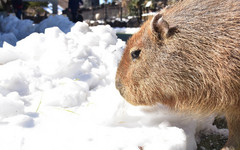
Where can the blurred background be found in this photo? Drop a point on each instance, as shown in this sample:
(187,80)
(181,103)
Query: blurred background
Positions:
(116,13)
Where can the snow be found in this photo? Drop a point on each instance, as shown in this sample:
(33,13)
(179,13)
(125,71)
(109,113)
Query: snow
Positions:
(149,3)
(57,92)
(126,30)
(12,29)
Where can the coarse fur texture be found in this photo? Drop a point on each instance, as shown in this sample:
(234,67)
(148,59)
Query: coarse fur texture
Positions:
(189,60)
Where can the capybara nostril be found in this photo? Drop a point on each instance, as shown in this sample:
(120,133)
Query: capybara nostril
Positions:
(119,86)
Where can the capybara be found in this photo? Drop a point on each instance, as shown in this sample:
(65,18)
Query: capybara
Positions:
(187,58)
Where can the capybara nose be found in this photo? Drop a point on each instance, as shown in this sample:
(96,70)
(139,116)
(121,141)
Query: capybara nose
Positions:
(118,84)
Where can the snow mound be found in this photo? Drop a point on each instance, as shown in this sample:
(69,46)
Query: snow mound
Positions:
(12,29)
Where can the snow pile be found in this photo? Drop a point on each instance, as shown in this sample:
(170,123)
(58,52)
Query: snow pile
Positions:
(57,92)
(12,29)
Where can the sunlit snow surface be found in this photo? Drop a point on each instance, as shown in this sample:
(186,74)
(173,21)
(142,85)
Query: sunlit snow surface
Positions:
(57,93)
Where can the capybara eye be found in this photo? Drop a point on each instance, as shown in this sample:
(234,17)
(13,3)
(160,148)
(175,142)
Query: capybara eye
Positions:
(135,54)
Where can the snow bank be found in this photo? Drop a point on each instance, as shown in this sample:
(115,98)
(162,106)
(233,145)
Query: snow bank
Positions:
(12,29)
(57,92)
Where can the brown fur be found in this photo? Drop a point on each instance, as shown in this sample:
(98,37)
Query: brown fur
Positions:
(193,67)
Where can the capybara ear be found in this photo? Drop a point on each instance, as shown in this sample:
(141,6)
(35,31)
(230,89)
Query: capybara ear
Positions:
(161,28)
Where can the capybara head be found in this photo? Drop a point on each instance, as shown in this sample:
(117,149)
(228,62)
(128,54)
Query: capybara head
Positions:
(143,77)
(187,58)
